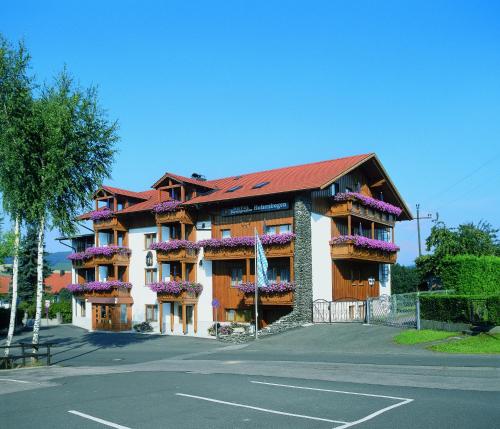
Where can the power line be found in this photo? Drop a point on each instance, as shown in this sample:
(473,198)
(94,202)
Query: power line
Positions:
(464,178)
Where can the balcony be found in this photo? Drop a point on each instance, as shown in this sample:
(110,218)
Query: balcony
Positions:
(361,248)
(107,255)
(172,211)
(176,251)
(108,223)
(281,299)
(364,207)
(276,245)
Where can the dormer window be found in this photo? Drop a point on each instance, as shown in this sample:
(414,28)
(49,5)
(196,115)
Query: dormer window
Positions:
(260,185)
(234,188)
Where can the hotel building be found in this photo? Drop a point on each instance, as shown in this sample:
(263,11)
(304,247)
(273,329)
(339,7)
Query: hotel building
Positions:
(181,255)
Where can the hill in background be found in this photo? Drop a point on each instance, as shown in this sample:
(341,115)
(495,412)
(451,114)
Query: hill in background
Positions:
(56,260)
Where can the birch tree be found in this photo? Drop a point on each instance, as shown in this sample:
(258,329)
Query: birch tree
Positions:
(73,147)
(16,88)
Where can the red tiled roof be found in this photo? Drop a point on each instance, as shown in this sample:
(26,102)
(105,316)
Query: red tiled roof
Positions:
(53,283)
(286,179)
(281,180)
(57,281)
(124,192)
(4,285)
(190,180)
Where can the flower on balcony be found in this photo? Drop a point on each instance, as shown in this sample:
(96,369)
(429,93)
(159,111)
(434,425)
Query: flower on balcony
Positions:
(271,289)
(247,241)
(99,251)
(176,287)
(365,242)
(370,202)
(101,214)
(167,206)
(98,286)
(166,246)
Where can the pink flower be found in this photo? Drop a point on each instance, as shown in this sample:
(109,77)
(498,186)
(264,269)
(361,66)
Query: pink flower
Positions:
(101,214)
(369,201)
(166,246)
(176,287)
(247,241)
(276,288)
(167,206)
(364,242)
(99,286)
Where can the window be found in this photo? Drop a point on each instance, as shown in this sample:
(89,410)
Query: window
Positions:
(105,238)
(81,306)
(151,275)
(103,273)
(284,274)
(151,313)
(236,275)
(149,239)
(119,206)
(384,273)
(123,313)
(121,238)
(121,273)
(260,185)
(270,229)
(356,277)
(226,233)
(238,315)
(271,274)
(234,188)
(283,229)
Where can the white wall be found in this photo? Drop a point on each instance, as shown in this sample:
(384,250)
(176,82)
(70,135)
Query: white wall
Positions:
(385,287)
(77,319)
(204,276)
(141,294)
(321,257)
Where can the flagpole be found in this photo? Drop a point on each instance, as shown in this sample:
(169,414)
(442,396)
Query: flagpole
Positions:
(256,287)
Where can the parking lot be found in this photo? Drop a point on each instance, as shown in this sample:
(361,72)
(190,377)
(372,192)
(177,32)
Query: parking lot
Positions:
(182,382)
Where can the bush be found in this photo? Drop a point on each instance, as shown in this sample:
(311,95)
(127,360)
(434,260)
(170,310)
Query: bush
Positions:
(65,308)
(461,308)
(28,307)
(5,317)
(143,327)
(471,275)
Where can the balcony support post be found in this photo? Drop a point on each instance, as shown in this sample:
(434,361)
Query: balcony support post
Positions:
(172,305)
(292,272)
(184,318)
(349,226)
(195,315)
(373,230)
(247,270)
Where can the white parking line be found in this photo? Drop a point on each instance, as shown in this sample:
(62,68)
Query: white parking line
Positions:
(265,410)
(14,381)
(403,401)
(98,420)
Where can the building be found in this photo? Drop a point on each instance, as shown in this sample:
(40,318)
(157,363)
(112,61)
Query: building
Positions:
(163,255)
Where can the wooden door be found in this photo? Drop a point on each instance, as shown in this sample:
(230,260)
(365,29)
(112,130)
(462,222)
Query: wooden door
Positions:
(103,317)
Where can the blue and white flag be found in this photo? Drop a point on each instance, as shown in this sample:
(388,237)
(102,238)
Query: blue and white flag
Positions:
(261,263)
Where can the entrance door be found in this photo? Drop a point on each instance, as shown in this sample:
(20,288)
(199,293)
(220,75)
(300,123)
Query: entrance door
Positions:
(166,328)
(103,317)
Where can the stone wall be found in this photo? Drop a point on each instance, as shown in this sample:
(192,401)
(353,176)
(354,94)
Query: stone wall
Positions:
(302,308)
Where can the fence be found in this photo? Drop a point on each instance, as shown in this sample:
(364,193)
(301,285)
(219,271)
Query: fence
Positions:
(351,310)
(394,310)
(26,352)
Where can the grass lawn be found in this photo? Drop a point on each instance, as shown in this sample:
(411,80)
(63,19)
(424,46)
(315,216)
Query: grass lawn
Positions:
(412,336)
(479,344)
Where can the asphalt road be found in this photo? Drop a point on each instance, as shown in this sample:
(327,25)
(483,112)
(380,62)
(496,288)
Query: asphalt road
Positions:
(316,377)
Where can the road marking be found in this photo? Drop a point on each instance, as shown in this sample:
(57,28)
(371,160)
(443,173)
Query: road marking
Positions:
(98,420)
(375,414)
(14,381)
(265,410)
(332,391)
(403,401)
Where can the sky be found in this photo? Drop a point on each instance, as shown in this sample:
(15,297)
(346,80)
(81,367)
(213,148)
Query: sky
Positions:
(225,88)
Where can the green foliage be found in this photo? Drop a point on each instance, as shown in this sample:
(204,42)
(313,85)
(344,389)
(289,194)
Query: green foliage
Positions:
(5,317)
(28,254)
(469,275)
(65,295)
(64,307)
(479,344)
(412,336)
(28,307)
(6,243)
(404,279)
(467,239)
(461,308)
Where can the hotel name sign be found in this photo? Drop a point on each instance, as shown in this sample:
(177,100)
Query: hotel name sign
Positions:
(256,208)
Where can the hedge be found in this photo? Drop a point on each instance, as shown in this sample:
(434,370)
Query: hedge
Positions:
(471,275)
(64,307)
(5,317)
(461,308)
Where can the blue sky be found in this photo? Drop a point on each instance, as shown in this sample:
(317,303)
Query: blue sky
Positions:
(222,88)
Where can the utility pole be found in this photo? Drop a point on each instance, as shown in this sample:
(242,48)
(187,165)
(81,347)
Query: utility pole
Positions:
(429,216)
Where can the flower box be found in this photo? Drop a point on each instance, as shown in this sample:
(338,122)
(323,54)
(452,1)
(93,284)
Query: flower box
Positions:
(358,247)
(176,250)
(282,299)
(172,211)
(363,206)
(105,255)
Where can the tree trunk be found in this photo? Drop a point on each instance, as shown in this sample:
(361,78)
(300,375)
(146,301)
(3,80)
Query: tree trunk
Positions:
(15,270)
(39,285)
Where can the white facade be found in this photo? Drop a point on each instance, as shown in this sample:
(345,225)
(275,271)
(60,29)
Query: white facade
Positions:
(321,257)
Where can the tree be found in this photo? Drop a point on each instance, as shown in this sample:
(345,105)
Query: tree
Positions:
(467,239)
(72,145)
(404,279)
(16,101)
(6,243)
(28,255)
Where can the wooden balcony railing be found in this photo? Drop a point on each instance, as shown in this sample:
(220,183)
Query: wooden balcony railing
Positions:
(116,259)
(355,208)
(274,250)
(109,223)
(177,255)
(275,299)
(348,250)
(179,215)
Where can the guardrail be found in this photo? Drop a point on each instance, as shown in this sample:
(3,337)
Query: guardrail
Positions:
(7,361)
